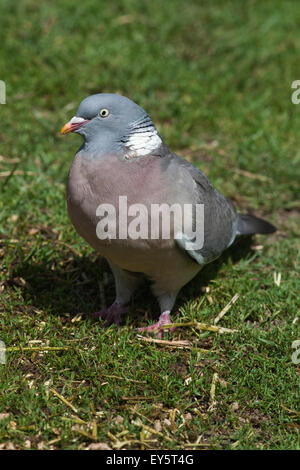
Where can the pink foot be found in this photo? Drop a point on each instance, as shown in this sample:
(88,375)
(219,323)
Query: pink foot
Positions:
(164,319)
(111,314)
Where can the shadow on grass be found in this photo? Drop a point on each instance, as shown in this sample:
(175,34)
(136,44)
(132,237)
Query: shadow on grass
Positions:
(71,284)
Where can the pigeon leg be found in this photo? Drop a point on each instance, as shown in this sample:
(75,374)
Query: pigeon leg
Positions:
(126,283)
(166,302)
(111,314)
(164,319)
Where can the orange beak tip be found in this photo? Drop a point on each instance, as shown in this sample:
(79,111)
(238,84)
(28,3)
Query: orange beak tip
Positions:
(66,128)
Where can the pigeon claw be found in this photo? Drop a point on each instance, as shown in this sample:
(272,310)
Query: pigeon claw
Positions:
(156,328)
(111,314)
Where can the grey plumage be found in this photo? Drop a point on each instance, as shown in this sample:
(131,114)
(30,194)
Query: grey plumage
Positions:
(123,154)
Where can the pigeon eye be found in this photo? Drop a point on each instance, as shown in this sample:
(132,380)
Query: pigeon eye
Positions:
(104,112)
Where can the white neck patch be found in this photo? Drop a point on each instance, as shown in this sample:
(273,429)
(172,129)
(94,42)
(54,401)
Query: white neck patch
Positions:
(142,143)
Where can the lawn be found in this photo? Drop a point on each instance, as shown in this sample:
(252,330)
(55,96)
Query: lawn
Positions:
(216,79)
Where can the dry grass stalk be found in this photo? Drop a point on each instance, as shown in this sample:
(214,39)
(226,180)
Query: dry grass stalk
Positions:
(3,174)
(176,344)
(37,348)
(226,308)
(212,401)
(64,400)
(201,326)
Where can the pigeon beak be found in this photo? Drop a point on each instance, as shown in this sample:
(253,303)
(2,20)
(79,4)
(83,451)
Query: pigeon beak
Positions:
(73,124)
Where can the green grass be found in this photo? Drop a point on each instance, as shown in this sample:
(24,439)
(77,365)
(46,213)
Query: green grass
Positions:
(216,79)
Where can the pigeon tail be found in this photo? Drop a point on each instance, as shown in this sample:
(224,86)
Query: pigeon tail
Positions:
(249,225)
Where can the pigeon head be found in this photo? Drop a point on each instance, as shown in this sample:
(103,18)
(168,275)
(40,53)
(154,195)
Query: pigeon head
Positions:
(114,123)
